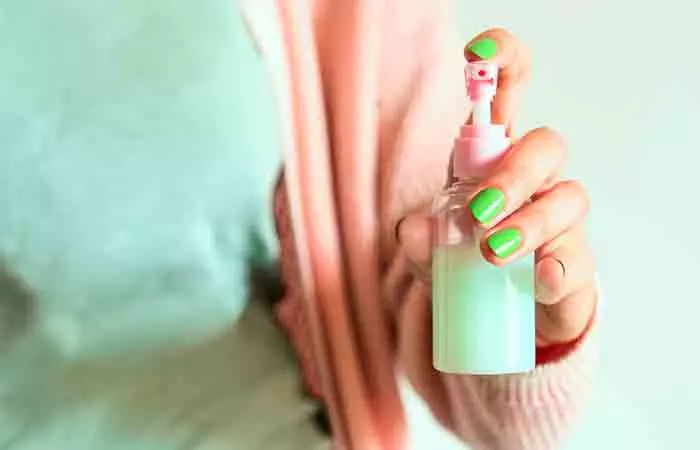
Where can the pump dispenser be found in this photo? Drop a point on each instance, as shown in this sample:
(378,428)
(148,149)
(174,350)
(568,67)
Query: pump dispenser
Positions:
(483,315)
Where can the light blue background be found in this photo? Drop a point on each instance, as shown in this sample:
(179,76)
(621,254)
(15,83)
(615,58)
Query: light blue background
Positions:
(620,81)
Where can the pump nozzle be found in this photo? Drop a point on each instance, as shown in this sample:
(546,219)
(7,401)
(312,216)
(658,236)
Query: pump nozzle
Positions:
(480,143)
(481,78)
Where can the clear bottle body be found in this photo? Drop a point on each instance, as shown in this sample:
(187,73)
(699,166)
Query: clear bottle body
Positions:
(483,315)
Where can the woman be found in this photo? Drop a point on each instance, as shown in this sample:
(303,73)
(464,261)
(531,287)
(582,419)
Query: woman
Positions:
(376,99)
(137,157)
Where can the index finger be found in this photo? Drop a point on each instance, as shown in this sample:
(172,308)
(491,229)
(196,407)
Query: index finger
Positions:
(513,60)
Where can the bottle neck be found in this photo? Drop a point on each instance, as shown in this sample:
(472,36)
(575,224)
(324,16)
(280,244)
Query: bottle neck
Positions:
(461,183)
(477,150)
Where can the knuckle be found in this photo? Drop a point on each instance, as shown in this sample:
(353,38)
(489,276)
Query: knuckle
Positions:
(540,222)
(577,193)
(550,139)
(549,134)
(518,57)
(526,62)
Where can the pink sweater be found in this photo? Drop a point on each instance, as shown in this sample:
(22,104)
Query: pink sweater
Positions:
(371,94)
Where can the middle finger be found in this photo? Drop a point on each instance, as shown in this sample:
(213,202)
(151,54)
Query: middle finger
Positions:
(531,164)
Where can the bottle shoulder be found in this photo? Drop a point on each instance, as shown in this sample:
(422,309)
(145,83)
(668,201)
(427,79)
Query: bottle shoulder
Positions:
(455,194)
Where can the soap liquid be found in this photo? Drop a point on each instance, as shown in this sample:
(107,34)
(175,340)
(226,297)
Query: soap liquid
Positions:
(483,315)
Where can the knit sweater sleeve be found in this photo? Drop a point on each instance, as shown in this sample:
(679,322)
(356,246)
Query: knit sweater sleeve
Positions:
(511,412)
(420,107)
(421,111)
(533,411)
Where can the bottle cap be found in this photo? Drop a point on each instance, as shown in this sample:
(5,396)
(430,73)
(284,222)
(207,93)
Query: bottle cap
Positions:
(480,144)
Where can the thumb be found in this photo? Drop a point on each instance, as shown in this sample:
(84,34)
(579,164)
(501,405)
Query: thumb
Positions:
(414,235)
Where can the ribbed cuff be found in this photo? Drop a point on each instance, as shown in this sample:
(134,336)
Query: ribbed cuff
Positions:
(525,411)
(554,353)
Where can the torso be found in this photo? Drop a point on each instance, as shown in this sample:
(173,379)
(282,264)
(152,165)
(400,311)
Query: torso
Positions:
(137,175)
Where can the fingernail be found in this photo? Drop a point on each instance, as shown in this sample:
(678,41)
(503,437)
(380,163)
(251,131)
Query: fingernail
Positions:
(487,204)
(484,48)
(505,242)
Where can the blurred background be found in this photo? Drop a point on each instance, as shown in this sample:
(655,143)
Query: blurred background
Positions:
(618,79)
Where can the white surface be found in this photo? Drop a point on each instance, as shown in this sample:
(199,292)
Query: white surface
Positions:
(619,81)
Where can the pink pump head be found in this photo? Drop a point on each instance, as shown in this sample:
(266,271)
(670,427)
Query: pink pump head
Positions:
(480,144)
(481,78)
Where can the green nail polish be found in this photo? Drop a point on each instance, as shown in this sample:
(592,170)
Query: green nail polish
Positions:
(487,204)
(483,48)
(504,243)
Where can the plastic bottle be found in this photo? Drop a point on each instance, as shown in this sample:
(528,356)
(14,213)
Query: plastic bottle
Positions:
(483,315)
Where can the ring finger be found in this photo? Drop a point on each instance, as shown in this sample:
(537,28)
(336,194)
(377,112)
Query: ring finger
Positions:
(536,223)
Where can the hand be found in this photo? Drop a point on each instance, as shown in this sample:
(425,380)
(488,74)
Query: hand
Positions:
(551,226)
